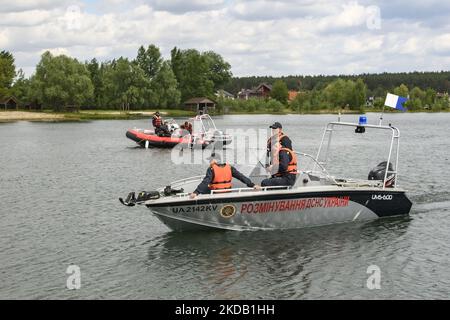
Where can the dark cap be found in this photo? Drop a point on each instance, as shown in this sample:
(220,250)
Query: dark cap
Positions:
(214,156)
(157,113)
(276,125)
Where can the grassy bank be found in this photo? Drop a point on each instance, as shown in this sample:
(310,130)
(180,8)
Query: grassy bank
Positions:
(290,111)
(50,116)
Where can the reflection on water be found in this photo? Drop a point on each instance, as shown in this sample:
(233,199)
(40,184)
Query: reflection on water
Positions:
(265,264)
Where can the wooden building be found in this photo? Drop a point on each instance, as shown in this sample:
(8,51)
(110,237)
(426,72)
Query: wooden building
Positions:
(224,94)
(9,103)
(201,105)
(262,91)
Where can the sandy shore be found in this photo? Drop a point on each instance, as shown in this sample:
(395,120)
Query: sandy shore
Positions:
(11,116)
(29,116)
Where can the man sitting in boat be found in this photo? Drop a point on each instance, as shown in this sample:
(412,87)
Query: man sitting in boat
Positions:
(277,136)
(188,126)
(219,176)
(283,167)
(161,128)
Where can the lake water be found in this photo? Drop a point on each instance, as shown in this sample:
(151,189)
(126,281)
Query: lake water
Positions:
(59,189)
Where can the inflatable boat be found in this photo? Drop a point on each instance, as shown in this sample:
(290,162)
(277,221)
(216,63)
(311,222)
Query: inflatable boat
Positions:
(204,133)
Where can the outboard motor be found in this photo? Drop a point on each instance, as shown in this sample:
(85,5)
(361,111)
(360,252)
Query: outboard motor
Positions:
(379,172)
(168,191)
(173,126)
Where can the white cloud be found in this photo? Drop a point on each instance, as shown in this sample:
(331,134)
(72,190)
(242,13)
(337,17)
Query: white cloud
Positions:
(57,51)
(257,37)
(4,40)
(441,44)
(182,6)
(25,18)
(26,5)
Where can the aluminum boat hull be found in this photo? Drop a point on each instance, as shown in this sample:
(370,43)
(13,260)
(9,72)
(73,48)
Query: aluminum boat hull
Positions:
(290,209)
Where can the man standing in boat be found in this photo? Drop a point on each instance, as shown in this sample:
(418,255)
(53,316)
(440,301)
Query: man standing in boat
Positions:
(157,121)
(219,176)
(284,165)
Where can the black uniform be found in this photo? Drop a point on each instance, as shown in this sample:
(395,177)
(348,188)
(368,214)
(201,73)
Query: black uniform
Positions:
(286,178)
(285,141)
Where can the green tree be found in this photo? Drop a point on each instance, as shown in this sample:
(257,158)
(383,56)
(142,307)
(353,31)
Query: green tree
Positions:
(219,70)
(280,92)
(192,71)
(61,81)
(96,76)
(336,94)
(414,104)
(149,60)
(21,88)
(402,91)
(274,105)
(359,94)
(417,93)
(379,102)
(165,84)
(127,85)
(379,92)
(7,72)
(430,97)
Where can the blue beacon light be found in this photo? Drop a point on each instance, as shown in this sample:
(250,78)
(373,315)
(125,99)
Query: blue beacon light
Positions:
(362,121)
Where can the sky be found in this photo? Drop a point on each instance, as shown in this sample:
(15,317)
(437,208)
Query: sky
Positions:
(257,37)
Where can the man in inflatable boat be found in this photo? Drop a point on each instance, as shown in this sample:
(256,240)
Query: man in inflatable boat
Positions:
(161,128)
(157,120)
(219,176)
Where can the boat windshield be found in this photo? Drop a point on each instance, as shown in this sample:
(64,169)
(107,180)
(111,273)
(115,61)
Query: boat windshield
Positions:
(208,123)
(204,124)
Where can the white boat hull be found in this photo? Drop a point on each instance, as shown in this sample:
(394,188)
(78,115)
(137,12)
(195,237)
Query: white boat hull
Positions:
(275,210)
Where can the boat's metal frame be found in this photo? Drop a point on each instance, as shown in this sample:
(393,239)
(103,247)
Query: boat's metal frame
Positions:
(201,119)
(210,130)
(395,139)
(321,164)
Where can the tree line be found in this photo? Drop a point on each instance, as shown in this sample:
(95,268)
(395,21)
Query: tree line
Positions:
(339,94)
(148,81)
(376,84)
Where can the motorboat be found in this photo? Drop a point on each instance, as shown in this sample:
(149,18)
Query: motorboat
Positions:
(317,198)
(204,133)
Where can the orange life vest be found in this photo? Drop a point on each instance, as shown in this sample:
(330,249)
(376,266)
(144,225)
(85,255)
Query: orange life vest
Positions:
(292,166)
(222,177)
(157,121)
(281,135)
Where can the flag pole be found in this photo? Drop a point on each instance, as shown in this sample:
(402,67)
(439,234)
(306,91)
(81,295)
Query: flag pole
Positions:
(381,116)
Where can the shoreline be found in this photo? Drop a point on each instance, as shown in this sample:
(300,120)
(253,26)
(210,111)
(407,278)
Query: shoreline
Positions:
(50,116)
